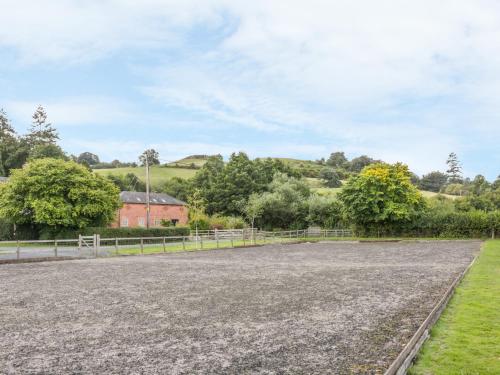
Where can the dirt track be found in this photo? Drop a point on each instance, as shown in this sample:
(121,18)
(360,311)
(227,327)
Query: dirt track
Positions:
(336,308)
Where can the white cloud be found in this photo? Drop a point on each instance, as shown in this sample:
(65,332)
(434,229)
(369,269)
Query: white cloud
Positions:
(403,80)
(72,31)
(73,111)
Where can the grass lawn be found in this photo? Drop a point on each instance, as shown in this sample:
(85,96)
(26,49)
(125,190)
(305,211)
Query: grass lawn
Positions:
(466,339)
(193,246)
(158,174)
(430,194)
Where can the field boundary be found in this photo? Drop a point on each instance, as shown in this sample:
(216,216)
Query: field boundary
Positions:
(405,358)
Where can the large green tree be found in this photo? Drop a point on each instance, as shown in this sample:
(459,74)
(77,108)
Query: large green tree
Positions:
(177,187)
(454,169)
(43,151)
(52,193)
(41,131)
(13,150)
(433,181)
(8,142)
(325,212)
(285,205)
(227,187)
(357,164)
(337,160)
(152,156)
(238,180)
(382,195)
(88,157)
(330,177)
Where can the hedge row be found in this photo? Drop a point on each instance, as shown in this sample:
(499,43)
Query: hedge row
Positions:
(23,232)
(473,224)
(114,232)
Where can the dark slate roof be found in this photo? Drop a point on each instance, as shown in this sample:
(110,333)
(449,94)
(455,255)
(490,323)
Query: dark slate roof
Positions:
(154,198)
(3,179)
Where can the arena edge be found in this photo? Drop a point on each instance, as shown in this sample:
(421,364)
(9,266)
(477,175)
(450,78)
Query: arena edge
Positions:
(466,339)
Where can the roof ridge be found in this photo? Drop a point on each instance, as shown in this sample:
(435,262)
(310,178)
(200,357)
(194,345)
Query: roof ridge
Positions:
(139,197)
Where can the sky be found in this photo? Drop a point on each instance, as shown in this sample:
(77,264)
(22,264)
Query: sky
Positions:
(407,81)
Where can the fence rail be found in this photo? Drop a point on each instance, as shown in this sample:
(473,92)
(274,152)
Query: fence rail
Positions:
(94,246)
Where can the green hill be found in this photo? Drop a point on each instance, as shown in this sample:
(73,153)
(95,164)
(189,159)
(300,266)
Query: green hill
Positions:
(159,174)
(308,168)
(192,161)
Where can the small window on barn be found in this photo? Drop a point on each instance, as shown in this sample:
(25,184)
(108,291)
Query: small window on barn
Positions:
(142,222)
(124,222)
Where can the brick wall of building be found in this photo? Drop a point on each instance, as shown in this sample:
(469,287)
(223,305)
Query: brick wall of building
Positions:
(134,215)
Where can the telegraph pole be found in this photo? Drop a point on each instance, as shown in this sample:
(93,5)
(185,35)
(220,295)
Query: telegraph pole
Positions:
(147,191)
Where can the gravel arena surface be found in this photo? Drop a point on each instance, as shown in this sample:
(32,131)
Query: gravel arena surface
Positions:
(323,308)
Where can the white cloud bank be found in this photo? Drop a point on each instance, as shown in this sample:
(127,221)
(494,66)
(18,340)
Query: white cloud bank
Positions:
(405,80)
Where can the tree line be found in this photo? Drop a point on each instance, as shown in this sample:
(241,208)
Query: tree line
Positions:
(49,191)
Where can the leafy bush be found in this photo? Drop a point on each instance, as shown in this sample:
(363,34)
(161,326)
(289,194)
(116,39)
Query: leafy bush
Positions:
(325,212)
(218,222)
(6,230)
(202,222)
(381,196)
(235,222)
(330,177)
(56,193)
(226,222)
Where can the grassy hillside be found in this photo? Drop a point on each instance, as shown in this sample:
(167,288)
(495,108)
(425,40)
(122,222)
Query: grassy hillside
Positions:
(189,161)
(158,174)
(308,167)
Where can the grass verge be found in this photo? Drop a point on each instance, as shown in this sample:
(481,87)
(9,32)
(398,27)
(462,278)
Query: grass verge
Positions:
(466,339)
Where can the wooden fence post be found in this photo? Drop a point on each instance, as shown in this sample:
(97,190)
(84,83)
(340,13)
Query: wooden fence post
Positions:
(55,248)
(164,245)
(116,245)
(142,245)
(18,250)
(183,243)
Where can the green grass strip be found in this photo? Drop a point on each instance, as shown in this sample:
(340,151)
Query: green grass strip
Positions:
(466,339)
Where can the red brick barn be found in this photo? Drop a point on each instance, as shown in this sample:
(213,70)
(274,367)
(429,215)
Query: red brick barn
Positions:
(162,207)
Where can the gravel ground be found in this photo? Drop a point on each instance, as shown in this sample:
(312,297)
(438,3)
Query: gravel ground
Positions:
(325,308)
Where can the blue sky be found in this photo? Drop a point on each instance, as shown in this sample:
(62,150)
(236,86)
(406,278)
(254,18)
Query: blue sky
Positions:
(406,81)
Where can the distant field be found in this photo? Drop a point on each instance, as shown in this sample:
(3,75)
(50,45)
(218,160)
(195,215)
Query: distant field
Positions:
(430,194)
(158,175)
(326,192)
(301,164)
